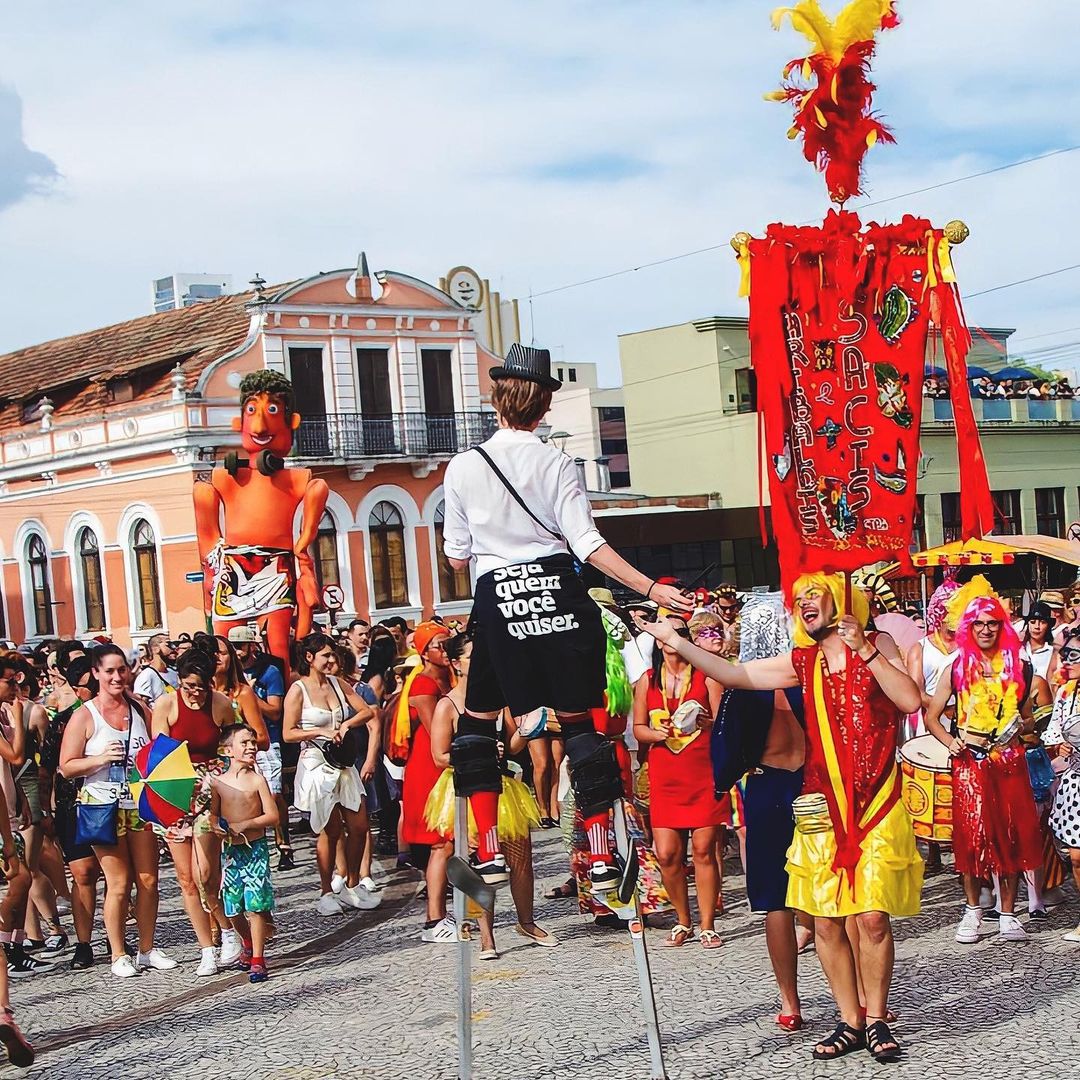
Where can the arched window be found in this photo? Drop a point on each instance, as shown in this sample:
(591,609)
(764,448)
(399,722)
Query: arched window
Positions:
(146,575)
(93,594)
(389,576)
(38,559)
(325,553)
(453,584)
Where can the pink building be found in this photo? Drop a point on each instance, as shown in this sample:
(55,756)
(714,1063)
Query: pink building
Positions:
(103,434)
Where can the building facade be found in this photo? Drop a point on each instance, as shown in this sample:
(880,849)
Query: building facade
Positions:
(692,426)
(103,434)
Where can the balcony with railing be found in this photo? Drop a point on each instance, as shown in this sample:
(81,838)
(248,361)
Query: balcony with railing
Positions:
(351,436)
(993,413)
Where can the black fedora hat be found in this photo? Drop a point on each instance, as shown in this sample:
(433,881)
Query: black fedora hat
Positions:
(525,362)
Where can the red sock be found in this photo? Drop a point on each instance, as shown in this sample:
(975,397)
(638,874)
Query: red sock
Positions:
(485,808)
(596,829)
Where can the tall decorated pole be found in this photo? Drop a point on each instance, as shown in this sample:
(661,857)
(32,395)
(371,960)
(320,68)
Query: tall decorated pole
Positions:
(840,318)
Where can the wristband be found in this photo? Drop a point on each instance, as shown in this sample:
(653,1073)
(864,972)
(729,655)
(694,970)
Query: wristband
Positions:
(648,595)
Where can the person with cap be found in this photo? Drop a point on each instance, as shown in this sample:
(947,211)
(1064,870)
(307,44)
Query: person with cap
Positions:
(157,675)
(517,507)
(266,679)
(853,854)
(1037,638)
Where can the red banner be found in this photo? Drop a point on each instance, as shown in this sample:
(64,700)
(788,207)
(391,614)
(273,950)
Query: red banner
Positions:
(839,318)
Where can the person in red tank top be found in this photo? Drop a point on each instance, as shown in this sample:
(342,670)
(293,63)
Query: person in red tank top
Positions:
(681,798)
(421,774)
(859,861)
(195,714)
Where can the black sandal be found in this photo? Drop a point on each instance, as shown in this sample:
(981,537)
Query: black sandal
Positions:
(878,1040)
(844,1040)
(566,891)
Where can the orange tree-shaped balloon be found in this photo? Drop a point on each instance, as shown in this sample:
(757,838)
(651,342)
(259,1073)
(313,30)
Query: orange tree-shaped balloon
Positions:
(255,569)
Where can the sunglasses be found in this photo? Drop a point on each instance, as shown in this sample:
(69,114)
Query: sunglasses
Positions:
(730,607)
(193,688)
(1070,656)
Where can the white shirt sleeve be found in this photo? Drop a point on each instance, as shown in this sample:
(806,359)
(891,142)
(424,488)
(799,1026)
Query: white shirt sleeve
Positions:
(574,514)
(457,538)
(149,684)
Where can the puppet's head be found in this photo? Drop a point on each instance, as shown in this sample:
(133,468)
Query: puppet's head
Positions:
(268,415)
(937,609)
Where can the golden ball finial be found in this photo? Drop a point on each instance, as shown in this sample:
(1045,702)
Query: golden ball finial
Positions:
(739,241)
(956,232)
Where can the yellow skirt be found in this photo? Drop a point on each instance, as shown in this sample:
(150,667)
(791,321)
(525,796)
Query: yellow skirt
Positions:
(888,877)
(518,812)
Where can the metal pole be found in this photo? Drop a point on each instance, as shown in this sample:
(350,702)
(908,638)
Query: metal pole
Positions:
(464,1022)
(636,926)
(922,580)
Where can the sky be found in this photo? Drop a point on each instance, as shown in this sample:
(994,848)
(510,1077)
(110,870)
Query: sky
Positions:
(542,143)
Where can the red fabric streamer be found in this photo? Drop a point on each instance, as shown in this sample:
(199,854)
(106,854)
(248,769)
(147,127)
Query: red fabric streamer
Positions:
(839,317)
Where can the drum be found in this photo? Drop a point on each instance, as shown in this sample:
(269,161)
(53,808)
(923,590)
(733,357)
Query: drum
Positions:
(926,787)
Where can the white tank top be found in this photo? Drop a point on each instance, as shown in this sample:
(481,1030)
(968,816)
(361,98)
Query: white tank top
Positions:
(97,785)
(314,716)
(934,662)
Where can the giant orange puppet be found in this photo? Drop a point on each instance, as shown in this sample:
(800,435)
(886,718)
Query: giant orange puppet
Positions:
(257,569)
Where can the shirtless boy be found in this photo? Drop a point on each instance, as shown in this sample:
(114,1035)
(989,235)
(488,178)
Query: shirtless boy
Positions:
(241,810)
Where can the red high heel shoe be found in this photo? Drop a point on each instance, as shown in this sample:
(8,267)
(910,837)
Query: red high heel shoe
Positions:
(791,1021)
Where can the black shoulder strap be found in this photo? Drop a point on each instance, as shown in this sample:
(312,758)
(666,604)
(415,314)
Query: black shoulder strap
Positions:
(513,491)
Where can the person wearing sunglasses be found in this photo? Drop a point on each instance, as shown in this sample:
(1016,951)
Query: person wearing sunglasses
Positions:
(1062,740)
(727,605)
(996,830)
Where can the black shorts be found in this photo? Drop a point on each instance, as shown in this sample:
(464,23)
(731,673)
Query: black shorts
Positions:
(538,640)
(770,827)
(64,825)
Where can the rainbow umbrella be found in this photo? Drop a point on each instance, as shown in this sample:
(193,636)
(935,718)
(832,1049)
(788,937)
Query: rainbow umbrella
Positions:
(163,781)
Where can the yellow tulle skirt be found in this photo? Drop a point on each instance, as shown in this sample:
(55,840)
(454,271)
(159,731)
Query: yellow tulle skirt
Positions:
(888,877)
(518,812)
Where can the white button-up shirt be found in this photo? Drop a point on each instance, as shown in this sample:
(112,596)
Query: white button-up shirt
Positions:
(483,521)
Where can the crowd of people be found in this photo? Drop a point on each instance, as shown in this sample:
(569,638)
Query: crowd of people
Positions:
(985,386)
(653,735)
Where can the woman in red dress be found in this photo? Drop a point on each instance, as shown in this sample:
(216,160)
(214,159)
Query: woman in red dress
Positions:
(420,695)
(681,795)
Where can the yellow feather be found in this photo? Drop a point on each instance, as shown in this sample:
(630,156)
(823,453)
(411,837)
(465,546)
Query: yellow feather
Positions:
(820,117)
(809,20)
(859,21)
(871,137)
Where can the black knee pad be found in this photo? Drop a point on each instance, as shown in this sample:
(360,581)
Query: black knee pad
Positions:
(475,761)
(594,769)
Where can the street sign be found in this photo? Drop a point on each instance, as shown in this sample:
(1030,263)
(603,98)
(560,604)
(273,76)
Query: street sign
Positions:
(194,577)
(333,597)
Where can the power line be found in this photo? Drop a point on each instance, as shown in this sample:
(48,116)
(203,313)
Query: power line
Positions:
(860,206)
(1023,281)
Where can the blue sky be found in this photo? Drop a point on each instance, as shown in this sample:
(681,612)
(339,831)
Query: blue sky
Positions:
(542,143)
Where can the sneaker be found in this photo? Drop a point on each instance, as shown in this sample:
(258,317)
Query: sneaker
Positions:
(231,948)
(56,943)
(359,898)
(84,956)
(20,1052)
(258,972)
(243,961)
(329,904)
(156,960)
(1039,914)
(1072,935)
(208,965)
(604,877)
(493,872)
(33,944)
(337,883)
(443,931)
(967,933)
(286,861)
(1010,929)
(20,965)
(370,884)
(124,968)
(63,907)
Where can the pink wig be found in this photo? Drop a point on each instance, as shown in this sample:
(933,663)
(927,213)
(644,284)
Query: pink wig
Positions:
(970,658)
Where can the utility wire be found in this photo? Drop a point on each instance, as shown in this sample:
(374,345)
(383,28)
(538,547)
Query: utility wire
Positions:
(873,202)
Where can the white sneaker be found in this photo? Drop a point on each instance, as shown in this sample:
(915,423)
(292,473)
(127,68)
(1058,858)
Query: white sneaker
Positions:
(337,883)
(1072,935)
(155,959)
(967,933)
(359,898)
(208,964)
(369,884)
(443,931)
(124,968)
(329,904)
(231,948)
(1009,928)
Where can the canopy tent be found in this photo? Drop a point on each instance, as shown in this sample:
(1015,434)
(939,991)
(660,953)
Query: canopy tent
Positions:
(967,553)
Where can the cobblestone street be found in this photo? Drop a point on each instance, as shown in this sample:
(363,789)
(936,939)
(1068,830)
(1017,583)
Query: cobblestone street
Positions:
(363,997)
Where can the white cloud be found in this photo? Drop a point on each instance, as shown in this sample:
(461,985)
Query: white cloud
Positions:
(283,137)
